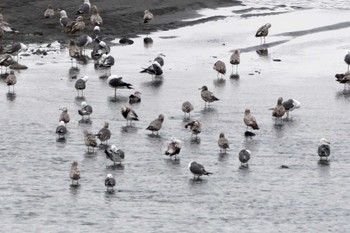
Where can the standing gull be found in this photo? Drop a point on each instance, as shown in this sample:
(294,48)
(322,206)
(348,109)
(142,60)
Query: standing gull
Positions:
(114,154)
(324,150)
(174,147)
(82,41)
(11,80)
(244,156)
(64,116)
(80,85)
(64,20)
(195,127)
(155,69)
(106,61)
(279,110)
(135,98)
(207,96)
(85,110)
(290,105)
(6,60)
(84,8)
(104,134)
(159,58)
(90,140)
(110,183)
(95,18)
(235,59)
(129,114)
(263,31)
(156,124)
(187,107)
(347,59)
(250,120)
(220,67)
(78,25)
(96,34)
(223,143)
(117,83)
(61,130)
(147,16)
(49,12)
(16,48)
(197,170)
(74,173)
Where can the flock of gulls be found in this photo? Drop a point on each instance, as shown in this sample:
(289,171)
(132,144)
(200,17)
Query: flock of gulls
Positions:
(102,59)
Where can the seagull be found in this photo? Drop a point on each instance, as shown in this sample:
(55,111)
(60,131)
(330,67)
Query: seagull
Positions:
(263,31)
(104,134)
(74,173)
(95,19)
(197,170)
(96,34)
(82,41)
(187,107)
(85,110)
(84,8)
(220,67)
(250,120)
(16,48)
(99,50)
(80,84)
(244,156)
(147,17)
(90,140)
(207,96)
(115,154)
(347,59)
(279,110)
(79,25)
(343,78)
(290,105)
(49,12)
(129,114)
(154,69)
(11,80)
(6,60)
(156,124)
(106,61)
(135,98)
(235,59)
(223,143)
(109,183)
(64,20)
(117,83)
(159,58)
(64,116)
(74,51)
(195,127)
(61,130)
(174,147)
(324,150)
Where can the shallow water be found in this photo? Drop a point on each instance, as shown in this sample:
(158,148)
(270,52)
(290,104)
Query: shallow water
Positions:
(157,194)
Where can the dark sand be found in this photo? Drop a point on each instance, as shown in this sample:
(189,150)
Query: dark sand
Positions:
(122,18)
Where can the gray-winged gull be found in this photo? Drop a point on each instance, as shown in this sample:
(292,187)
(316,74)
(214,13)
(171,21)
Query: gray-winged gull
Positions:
(187,107)
(61,130)
(49,12)
(156,124)
(74,173)
(159,58)
(117,83)
(85,110)
(290,105)
(104,134)
(197,170)
(80,85)
(279,111)
(64,116)
(114,154)
(96,34)
(82,41)
(95,18)
(223,143)
(100,49)
(6,60)
(155,69)
(64,20)
(11,80)
(207,96)
(324,150)
(109,182)
(147,16)
(263,31)
(235,59)
(195,127)
(135,98)
(174,147)
(244,156)
(16,48)
(106,61)
(129,114)
(90,140)
(84,8)
(250,120)
(220,67)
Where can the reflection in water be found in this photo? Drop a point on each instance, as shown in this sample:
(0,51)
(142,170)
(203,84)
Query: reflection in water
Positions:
(171,161)
(219,82)
(128,129)
(74,189)
(263,52)
(119,99)
(147,42)
(223,156)
(79,99)
(11,96)
(86,121)
(344,94)
(155,83)
(234,76)
(73,72)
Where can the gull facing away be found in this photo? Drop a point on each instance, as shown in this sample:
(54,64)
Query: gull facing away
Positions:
(244,156)
(174,147)
(223,143)
(197,170)
(64,116)
(135,98)
(220,67)
(114,154)
(290,105)
(78,25)
(11,80)
(147,16)
(61,130)
(347,59)
(80,85)
(156,124)
(74,173)
(195,127)
(84,8)
(250,120)
(104,134)
(106,61)
(85,110)
(207,96)
(154,70)
(279,111)
(187,108)
(49,12)
(324,150)
(117,83)
(90,140)
(95,18)
(64,20)
(82,41)
(235,59)
(159,58)
(129,114)
(263,31)
(110,183)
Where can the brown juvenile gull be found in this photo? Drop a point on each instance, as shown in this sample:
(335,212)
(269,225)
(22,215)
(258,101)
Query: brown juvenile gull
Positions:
(279,110)
(64,116)
(187,107)
(263,31)
(104,134)
(156,124)
(80,85)
(235,59)
(223,143)
(174,147)
(244,156)
(129,114)
(324,150)
(117,83)
(347,59)
(74,51)
(195,127)
(135,98)
(74,173)
(114,154)
(250,120)
(95,19)
(84,8)
(220,67)
(197,170)
(61,130)
(207,96)
(290,105)
(147,17)
(90,140)
(110,183)
(49,12)
(11,80)
(159,58)
(79,25)
(6,60)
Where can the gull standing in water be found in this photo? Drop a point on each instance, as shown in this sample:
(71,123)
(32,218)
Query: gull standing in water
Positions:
(64,116)
(154,70)
(159,58)
(195,127)
(11,80)
(6,60)
(197,170)
(324,150)
(174,147)
(235,59)
(223,143)
(129,114)
(263,31)
(104,134)
(114,154)
(290,105)
(90,140)
(135,98)
(220,67)
(49,12)
(207,96)
(74,173)
(110,183)
(244,156)
(187,107)
(82,41)
(279,111)
(117,83)
(16,48)
(250,121)
(85,110)
(61,130)
(80,85)
(156,124)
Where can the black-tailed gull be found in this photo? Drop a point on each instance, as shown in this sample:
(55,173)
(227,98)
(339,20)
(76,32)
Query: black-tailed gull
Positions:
(197,170)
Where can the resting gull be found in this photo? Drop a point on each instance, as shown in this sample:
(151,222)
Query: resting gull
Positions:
(16,48)
(100,49)
(49,12)
(104,134)
(106,61)
(129,114)
(207,96)
(115,154)
(84,8)
(154,69)
(156,124)
(197,170)
(187,107)
(263,31)
(195,127)
(95,18)
(6,60)
(74,51)
(74,173)
(159,58)
(82,41)
(135,98)
(78,25)
(279,111)
(324,150)
(64,20)
(64,116)
(147,17)
(235,59)
(96,34)
(223,143)
(85,110)
(90,140)
(61,130)
(110,183)
(244,156)
(347,59)
(80,85)
(117,83)
(174,147)
(220,67)
(250,120)
(290,105)
(11,80)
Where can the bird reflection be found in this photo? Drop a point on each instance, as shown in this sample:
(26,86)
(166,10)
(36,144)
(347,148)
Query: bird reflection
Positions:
(263,52)
(147,42)
(219,82)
